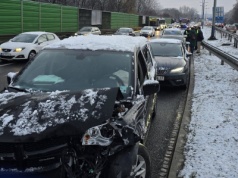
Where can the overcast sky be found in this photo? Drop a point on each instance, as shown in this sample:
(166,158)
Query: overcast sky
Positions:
(227,4)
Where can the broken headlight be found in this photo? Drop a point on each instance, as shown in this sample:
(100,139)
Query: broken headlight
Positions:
(99,135)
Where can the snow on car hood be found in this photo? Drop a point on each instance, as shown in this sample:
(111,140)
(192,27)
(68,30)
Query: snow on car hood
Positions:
(13,45)
(35,116)
(169,62)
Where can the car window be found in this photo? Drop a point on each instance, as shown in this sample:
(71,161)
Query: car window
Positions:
(24,38)
(50,37)
(172,32)
(42,39)
(124,30)
(146,28)
(78,70)
(166,49)
(86,29)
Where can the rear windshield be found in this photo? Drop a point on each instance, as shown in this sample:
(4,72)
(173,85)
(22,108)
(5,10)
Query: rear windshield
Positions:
(172,32)
(166,49)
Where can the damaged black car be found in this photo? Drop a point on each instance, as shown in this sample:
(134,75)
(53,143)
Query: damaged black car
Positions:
(81,109)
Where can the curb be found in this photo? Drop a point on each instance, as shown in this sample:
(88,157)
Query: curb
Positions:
(178,156)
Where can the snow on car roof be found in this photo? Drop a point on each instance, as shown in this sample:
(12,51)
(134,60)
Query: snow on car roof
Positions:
(94,42)
(165,40)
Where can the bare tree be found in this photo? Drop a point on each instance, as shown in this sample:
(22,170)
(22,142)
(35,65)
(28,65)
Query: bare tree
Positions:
(234,16)
(187,12)
(173,13)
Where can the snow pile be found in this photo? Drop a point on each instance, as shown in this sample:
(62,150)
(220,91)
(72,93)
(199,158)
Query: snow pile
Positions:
(94,42)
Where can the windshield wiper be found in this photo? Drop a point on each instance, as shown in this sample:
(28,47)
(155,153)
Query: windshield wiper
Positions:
(18,89)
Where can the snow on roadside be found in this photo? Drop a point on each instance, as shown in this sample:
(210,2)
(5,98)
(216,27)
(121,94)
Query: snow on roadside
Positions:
(230,49)
(211,149)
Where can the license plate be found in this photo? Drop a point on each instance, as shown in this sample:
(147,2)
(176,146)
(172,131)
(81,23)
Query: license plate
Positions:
(6,54)
(160,78)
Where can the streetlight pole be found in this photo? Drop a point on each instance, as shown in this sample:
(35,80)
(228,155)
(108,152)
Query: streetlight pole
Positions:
(203,7)
(212,37)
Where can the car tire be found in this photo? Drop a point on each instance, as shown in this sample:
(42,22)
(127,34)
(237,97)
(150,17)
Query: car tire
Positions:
(143,164)
(31,55)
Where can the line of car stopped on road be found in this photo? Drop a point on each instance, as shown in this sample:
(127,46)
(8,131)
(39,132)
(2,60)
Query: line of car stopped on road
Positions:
(120,93)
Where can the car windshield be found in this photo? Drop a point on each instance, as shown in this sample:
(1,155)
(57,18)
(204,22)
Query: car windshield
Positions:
(76,70)
(86,29)
(172,32)
(124,30)
(24,38)
(146,28)
(166,49)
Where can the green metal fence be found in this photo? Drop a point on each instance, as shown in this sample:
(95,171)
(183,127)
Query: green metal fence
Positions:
(18,16)
(123,20)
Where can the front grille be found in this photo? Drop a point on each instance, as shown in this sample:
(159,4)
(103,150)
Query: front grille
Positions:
(6,50)
(22,156)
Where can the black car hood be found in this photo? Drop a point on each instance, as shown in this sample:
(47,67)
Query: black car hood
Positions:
(169,62)
(35,116)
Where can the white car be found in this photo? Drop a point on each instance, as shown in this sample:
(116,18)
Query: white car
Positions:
(88,30)
(147,31)
(26,45)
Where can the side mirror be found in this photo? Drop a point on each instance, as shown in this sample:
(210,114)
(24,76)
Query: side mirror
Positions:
(10,77)
(151,87)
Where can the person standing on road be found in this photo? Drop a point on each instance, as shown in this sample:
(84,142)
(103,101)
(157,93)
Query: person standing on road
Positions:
(199,39)
(192,35)
(186,32)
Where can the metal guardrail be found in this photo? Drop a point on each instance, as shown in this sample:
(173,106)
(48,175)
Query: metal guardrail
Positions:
(225,57)
(229,35)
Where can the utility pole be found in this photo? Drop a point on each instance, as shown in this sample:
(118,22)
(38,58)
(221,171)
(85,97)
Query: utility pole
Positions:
(212,37)
(203,9)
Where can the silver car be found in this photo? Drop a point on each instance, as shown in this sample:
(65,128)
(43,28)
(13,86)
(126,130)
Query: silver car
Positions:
(147,31)
(88,30)
(173,33)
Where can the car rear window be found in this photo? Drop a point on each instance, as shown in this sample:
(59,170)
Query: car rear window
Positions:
(172,32)
(166,49)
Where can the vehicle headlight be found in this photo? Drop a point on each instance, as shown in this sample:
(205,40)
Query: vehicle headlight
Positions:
(98,135)
(177,70)
(18,49)
(76,34)
(0,49)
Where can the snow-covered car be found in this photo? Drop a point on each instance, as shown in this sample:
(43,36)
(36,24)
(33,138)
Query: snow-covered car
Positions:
(88,31)
(81,108)
(125,31)
(26,45)
(147,31)
(172,62)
